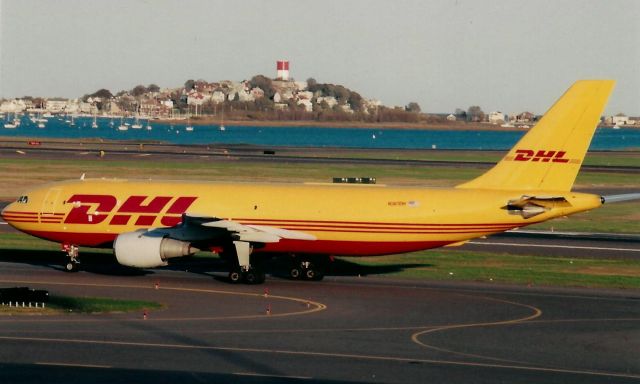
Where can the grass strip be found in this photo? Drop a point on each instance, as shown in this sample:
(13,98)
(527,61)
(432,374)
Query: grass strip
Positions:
(458,265)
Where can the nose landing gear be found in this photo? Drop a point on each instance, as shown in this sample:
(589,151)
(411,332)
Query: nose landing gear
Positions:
(72,253)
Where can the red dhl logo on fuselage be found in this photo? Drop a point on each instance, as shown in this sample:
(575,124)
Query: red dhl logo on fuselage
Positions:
(541,155)
(147,209)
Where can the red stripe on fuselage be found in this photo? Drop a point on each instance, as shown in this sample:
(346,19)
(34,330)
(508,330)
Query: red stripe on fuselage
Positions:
(329,247)
(367,223)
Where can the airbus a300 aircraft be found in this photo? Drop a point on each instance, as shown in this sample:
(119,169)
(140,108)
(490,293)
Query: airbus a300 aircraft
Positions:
(149,222)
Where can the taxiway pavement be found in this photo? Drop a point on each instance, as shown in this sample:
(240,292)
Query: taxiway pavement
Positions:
(342,329)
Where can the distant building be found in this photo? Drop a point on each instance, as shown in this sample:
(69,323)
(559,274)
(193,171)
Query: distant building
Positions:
(217,97)
(13,106)
(451,117)
(56,105)
(525,117)
(257,93)
(282,70)
(195,98)
(620,119)
(307,104)
(330,100)
(496,117)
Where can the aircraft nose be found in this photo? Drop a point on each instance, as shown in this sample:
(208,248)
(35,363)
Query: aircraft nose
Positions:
(15,213)
(5,212)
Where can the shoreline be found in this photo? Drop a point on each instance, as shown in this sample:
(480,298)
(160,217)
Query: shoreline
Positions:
(449,126)
(453,126)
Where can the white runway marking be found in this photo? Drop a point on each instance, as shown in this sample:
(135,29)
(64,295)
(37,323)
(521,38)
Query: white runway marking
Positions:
(272,376)
(555,246)
(75,365)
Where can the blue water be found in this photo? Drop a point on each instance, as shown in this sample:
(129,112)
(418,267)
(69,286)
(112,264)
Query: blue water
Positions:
(604,139)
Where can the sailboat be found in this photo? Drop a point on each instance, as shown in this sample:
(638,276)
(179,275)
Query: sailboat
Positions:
(122,126)
(95,122)
(137,124)
(189,127)
(12,124)
(221,127)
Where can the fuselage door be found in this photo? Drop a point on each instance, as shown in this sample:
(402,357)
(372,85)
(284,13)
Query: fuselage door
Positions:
(50,201)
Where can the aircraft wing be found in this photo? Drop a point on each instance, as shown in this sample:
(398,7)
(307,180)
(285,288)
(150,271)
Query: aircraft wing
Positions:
(194,228)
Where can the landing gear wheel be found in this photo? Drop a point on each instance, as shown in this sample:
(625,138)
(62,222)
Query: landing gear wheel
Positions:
(254,276)
(310,274)
(72,253)
(72,266)
(314,274)
(295,273)
(235,276)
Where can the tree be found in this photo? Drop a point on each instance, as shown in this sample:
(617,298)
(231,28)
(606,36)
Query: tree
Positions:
(460,114)
(312,84)
(138,90)
(264,83)
(102,93)
(474,113)
(356,101)
(413,107)
(189,84)
(153,88)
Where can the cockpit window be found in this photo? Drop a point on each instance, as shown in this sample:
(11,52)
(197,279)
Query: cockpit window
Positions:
(23,199)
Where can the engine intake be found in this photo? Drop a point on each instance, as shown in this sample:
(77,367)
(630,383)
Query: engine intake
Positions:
(141,249)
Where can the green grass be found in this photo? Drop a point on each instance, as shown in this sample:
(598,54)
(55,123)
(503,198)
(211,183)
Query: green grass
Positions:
(610,218)
(626,158)
(440,264)
(98,305)
(504,268)
(66,304)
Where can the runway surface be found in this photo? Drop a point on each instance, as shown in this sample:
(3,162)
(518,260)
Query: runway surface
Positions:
(342,329)
(239,152)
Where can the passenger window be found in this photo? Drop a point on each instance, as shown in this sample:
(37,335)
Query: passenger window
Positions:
(23,199)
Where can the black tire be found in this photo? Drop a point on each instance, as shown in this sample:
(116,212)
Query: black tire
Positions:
(295,273)
(71,267)
(309,274)
(254,276)
(319,275)
(235,276)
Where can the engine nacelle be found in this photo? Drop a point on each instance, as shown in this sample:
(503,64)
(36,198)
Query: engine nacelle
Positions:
(141,249)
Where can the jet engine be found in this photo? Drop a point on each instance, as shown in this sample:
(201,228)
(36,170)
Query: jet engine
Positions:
(142,249)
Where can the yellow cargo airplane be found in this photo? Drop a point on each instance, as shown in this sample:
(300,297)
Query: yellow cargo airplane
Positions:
(148,222)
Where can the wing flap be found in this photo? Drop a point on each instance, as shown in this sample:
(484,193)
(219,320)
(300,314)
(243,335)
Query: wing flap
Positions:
(203,228)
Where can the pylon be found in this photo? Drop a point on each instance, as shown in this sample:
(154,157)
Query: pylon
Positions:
(268,309)
(144,315)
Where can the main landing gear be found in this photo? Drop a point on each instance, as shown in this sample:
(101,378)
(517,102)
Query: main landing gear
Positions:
(72,253)
(308,267)
(242,270)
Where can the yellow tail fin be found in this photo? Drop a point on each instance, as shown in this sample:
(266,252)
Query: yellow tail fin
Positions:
(549,156)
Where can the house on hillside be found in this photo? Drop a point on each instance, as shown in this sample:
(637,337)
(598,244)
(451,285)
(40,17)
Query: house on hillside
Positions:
(620,119)
(496,117)
(525,117)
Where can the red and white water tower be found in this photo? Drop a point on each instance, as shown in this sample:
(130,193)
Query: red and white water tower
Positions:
(282,67)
